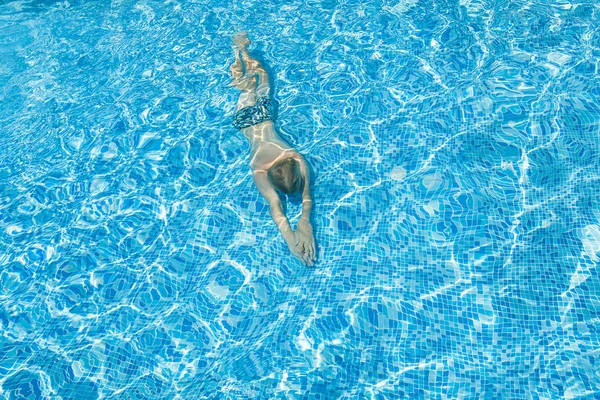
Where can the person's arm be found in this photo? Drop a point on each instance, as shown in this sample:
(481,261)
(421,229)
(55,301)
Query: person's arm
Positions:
(266,189)
(306,199)
(304,229)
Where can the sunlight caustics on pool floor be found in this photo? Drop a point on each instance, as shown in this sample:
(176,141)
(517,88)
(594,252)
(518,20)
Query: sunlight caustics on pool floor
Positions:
(455,148)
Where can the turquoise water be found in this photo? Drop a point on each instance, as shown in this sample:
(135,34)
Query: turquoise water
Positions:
(455,149)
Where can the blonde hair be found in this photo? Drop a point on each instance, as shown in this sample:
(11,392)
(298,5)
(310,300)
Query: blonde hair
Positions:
(285,175)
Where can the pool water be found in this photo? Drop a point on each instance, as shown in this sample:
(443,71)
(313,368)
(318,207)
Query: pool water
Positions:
(456,155)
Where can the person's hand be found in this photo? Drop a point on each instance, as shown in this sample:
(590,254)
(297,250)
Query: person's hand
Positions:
(293,239)
(306,242)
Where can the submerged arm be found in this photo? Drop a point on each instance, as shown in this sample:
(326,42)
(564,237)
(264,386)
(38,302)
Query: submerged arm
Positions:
(306,198)
(266,189)
(305,230)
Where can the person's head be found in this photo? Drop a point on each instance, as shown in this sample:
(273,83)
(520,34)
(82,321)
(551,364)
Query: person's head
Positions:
(285,175)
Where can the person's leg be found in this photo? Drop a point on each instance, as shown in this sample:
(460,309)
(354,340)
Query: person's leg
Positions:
(248,96)
(236,69)
(247,84)
(253,66)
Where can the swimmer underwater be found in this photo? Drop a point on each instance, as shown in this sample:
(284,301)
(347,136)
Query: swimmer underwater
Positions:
(276,166)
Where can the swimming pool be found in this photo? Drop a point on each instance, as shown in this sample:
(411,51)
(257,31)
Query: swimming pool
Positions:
(456,202)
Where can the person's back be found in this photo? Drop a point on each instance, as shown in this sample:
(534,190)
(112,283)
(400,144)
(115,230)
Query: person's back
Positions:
(275,165)
(266,146)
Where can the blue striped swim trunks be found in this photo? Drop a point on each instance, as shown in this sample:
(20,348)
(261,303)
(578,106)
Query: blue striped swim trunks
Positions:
(261,111)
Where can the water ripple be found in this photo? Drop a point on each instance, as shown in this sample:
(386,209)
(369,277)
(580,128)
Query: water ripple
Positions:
(455,152)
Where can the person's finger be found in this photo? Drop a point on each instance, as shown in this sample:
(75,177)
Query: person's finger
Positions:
(303,246)
(306,254)
(300,250)
(305,257)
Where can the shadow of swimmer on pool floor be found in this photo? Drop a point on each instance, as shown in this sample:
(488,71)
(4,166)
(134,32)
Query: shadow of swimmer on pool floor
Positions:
(276,166)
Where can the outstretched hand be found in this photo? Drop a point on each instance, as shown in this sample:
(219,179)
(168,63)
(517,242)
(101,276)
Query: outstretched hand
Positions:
(302,244)
(306,242)
(292,240)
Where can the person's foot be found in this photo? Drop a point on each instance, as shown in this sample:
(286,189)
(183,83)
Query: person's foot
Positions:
(241,40)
